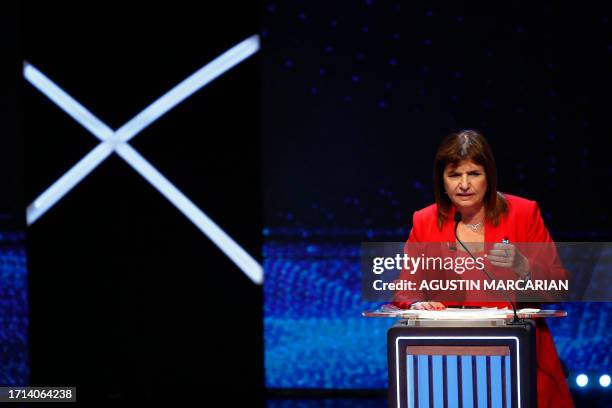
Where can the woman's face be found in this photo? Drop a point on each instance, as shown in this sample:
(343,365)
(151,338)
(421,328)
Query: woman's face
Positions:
(465,184)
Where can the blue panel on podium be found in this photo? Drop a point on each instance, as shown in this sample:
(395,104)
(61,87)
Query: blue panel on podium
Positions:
(439,365)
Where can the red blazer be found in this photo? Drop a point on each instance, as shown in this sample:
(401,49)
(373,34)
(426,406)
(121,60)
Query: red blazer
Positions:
(523,223)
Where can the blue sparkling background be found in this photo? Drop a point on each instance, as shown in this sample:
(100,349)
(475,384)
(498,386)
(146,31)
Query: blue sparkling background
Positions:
(315,337)
(14,369)
(357,96)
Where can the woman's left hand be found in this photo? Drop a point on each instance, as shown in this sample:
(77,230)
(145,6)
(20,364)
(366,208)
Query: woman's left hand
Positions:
(507,256)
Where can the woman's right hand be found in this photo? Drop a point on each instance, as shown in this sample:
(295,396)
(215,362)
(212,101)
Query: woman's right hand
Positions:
(427,306)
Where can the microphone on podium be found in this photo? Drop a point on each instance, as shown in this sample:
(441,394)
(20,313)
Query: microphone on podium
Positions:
(516,319)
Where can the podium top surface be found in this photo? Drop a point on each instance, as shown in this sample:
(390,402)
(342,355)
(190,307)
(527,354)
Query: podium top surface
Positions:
(389,310)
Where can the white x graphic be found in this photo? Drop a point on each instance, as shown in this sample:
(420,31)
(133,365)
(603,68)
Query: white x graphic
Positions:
(117,141)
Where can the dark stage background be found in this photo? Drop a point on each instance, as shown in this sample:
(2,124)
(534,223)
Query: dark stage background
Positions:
(357,97)
(359,94)
(11,145)
(125,291)
(14,353)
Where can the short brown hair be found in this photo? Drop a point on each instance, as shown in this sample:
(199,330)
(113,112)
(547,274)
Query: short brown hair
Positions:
(467,145)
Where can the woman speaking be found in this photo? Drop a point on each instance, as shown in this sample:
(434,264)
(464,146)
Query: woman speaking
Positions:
(465,180)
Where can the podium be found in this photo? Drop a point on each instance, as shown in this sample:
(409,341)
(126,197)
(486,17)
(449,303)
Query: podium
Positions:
(462,362)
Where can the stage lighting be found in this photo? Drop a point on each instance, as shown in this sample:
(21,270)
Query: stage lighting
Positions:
(604,380)
(116,141)
(582,380)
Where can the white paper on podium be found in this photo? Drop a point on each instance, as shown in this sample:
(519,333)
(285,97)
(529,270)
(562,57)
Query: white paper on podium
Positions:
(458,314)
(463,314)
